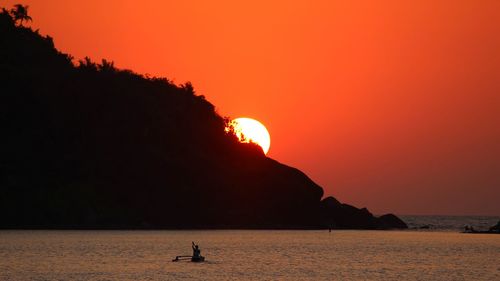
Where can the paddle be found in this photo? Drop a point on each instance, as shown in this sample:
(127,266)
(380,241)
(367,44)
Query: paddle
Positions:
(179,258)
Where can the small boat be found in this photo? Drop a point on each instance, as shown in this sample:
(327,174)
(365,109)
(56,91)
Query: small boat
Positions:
(196,257)
(189,258)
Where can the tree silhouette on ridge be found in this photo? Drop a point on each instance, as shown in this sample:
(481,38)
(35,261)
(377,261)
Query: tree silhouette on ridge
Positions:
(20,13)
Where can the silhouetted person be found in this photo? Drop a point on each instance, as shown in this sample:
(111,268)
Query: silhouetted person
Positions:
(196,251)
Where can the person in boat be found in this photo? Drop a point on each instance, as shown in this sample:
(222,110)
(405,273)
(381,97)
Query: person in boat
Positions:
(196,251)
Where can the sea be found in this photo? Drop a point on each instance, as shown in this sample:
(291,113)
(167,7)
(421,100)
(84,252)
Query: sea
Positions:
(438,251)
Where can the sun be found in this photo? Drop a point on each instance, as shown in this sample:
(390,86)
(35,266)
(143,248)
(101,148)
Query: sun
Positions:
(251,130)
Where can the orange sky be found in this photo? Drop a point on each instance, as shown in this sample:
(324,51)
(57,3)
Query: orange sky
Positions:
(389,105)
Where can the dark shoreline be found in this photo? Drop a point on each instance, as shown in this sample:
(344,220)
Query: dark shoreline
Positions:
(481,232)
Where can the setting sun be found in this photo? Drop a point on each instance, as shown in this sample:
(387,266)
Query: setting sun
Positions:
(251,130)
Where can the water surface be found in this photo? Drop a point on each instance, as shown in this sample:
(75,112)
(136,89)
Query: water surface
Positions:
(249,255)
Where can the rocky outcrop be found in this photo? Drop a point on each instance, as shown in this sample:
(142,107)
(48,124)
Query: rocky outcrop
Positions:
(391,221)
(91,146)
(492,230)
(344,216)
(495,228)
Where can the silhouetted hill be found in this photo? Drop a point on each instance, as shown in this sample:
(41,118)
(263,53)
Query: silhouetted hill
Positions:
(90,146)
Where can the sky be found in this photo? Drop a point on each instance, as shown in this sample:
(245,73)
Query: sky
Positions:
(389,105)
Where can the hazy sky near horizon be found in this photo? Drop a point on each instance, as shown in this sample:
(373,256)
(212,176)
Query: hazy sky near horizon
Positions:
(389,105)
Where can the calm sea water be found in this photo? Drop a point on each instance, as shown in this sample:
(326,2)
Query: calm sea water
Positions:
(249,255)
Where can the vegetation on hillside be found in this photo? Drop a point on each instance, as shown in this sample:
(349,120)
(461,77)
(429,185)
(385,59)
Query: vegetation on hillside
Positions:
(87,145)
